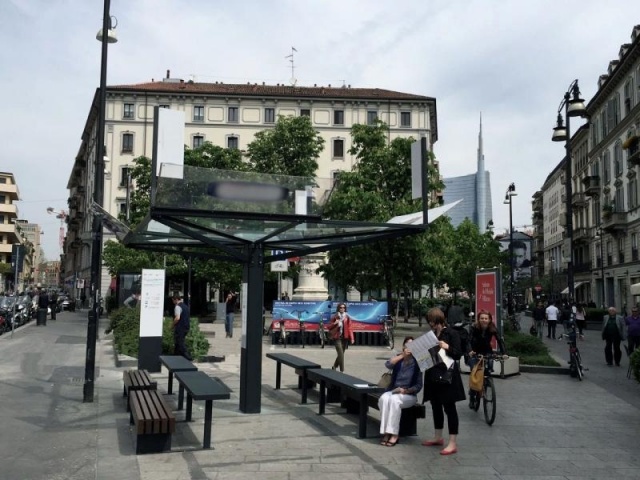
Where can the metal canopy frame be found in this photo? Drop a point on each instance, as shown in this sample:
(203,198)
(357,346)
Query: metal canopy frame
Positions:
(187,218)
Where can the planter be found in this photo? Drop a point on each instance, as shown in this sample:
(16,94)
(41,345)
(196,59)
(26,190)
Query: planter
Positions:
(629,142)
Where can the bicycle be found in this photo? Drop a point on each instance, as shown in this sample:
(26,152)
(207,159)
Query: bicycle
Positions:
(514,322)
(488,394)
(576,369)
(301,326)
(387,329)
(322,334)
(282,329)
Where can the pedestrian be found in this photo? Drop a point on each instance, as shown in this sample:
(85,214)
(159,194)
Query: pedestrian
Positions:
(539,317)
(443,395)
(83,299)
(342,334)
(53,304)
(181,325)
(230,308)
(613,332)
(483,332)
(552,312)
(581,320)
(633,329)
(43,305)
(406,382)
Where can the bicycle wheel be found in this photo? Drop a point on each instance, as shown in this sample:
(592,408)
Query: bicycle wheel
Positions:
(476,402)
(489,401)
(577,368)
(391,339)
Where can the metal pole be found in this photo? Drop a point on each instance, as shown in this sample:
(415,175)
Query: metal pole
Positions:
(511,311)
(425,180)
(15,293)
(569,191)
(96,263)
(604,291)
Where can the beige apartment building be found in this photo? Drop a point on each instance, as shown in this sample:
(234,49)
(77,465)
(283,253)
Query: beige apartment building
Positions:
(227,115)
(605,200)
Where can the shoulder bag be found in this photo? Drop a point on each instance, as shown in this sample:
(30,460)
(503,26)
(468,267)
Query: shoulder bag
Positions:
(385,380)
(476,377)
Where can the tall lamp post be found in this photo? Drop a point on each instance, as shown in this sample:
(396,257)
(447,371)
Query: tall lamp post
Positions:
(600,233)
(106,35)
(573,107)
(508,199)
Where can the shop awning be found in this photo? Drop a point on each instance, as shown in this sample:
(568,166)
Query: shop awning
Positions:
(635,289)
(575,287)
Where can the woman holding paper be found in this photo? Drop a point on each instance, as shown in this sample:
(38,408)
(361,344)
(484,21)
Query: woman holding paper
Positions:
(442,390)
(341,333)
(406,382)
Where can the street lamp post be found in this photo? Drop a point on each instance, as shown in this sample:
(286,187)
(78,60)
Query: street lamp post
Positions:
(508,199)
(573,107)
(552,262)
(604,294)
(106,35)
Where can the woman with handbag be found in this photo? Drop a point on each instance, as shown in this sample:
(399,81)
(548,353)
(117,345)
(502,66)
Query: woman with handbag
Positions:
(483,331)
(341,333)
(443,387)
(406,382)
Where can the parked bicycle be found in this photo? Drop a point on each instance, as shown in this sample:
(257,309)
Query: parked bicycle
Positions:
(302,330)
(576,369)
(322,334)
(387,329)
(488,394)
(514,322)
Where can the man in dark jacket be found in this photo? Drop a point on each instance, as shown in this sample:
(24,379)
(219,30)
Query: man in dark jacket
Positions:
(43,305)
(181,324)
(53,304)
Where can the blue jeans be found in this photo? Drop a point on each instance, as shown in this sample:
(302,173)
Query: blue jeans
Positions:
(228,324)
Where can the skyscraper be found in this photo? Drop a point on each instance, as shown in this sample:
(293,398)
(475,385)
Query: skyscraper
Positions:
(475,192)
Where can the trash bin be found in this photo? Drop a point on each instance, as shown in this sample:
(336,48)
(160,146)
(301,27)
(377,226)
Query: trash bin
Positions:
(42,316)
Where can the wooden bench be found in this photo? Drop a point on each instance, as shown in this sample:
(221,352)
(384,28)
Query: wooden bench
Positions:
(137,380)
(153,421)
(200,386)
(300,366)
(408,417)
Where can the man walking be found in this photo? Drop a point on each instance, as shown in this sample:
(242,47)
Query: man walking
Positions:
(633,329)
(230,305)
(612,333)
(539,316)
(181,324)
(552,314)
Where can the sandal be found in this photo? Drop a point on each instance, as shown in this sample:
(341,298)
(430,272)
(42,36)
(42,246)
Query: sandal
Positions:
(385,439)
(393,444)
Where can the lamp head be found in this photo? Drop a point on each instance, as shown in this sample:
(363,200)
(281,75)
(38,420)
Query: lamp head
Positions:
(559,131)
(576,107)
(112,37)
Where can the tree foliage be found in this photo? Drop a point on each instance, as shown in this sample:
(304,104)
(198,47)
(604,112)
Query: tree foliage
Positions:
(292,147)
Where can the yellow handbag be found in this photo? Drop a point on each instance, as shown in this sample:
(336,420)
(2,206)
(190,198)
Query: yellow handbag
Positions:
(476,377)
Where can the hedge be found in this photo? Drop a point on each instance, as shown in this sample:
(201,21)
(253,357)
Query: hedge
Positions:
(125,324)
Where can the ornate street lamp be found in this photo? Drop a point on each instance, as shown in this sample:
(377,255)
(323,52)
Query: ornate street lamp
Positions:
(573,107)
(508,200)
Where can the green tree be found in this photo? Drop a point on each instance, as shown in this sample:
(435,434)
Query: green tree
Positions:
(292,147)
(377,189)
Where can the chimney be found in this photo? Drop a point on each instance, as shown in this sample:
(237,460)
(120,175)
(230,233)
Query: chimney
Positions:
(168,73)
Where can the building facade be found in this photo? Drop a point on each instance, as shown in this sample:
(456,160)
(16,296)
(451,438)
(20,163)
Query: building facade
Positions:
(605,200)
(229,116)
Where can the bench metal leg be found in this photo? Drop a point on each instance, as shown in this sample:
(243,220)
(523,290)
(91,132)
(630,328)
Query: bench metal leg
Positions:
(278,374)
(323,397)
(304,386)
(189,407)
(208,419)
(180,397)
(170,388)
(362,422)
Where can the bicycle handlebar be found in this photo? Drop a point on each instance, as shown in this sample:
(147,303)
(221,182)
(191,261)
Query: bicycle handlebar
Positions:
(493,356)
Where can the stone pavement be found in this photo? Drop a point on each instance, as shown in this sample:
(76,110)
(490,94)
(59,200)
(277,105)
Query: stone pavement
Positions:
(547,427)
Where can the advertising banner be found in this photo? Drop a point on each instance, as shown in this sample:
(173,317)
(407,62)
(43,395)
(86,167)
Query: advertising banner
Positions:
(365,316)
(488,295)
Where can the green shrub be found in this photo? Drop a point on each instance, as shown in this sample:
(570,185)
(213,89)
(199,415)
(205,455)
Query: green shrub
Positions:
(529,349)
(634,360)
(125,323)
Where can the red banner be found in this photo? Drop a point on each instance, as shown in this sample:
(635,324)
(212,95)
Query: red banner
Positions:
(487,296)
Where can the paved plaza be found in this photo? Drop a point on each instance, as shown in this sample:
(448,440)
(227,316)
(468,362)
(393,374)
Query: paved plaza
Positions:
(547,427)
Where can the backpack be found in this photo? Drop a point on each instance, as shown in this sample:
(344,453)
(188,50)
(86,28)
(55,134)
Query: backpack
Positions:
(463,332)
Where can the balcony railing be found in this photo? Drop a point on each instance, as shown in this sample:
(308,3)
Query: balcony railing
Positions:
(582,267)
(591,185)
(580,234)
(578,199)
(614,220)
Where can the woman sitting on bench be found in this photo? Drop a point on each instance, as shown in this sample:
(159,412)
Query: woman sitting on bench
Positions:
(406,382)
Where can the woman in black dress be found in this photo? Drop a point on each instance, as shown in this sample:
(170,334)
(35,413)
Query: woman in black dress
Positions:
(442,395)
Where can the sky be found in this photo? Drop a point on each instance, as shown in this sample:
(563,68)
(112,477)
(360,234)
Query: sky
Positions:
(512,60)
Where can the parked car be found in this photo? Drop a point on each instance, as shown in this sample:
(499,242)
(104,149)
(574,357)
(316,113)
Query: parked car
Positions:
(67,303)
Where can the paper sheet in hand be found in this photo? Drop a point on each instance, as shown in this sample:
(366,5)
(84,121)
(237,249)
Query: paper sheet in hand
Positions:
(446,359)
(425,351)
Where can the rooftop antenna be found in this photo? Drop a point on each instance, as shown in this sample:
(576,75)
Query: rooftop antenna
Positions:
(293,79)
